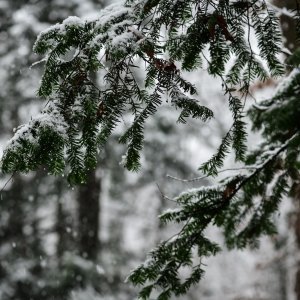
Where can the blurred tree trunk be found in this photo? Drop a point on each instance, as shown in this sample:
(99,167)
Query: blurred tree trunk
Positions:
(292,43)
(288,25)
(297,233)
(88,216)
(16,216)
(89,212)
(63,223)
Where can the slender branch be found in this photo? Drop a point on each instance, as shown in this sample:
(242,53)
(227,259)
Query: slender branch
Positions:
(207,176)
(6,183)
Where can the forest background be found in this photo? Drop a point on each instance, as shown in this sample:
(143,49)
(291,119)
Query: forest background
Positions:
(62,242)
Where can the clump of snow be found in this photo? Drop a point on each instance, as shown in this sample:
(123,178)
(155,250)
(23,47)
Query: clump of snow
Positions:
(73,20)
(70,21)
(60,28)
(116,38)
(112,12)
(122,38)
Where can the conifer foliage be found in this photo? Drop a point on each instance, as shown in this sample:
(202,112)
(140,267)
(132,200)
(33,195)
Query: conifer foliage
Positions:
(170,37)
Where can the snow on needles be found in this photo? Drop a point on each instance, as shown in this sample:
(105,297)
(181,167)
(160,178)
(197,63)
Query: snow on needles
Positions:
(106,26)
(286,81)
(50,117)
(112,12)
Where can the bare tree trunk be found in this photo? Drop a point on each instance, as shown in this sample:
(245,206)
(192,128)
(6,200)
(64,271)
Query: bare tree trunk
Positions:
(291,42)
(63,224)
(88,215)
(288,24)
(296,225)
